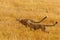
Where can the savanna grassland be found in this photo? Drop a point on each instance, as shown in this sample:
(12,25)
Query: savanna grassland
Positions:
(11,29)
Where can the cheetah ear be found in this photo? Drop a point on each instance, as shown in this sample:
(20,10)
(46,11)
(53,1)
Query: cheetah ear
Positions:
(19,19)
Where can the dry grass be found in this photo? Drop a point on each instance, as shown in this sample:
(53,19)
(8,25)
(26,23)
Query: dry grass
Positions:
(10,29)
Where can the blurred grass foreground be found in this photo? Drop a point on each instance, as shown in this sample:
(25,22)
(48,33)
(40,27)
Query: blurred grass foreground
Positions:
(10,10)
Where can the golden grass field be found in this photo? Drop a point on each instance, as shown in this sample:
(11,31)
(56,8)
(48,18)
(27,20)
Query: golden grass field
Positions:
(10,10)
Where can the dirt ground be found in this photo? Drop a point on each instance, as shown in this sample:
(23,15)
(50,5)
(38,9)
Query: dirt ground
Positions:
(10,10)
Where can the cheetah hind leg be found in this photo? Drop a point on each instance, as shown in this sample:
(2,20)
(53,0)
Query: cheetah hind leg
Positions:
(43,29)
